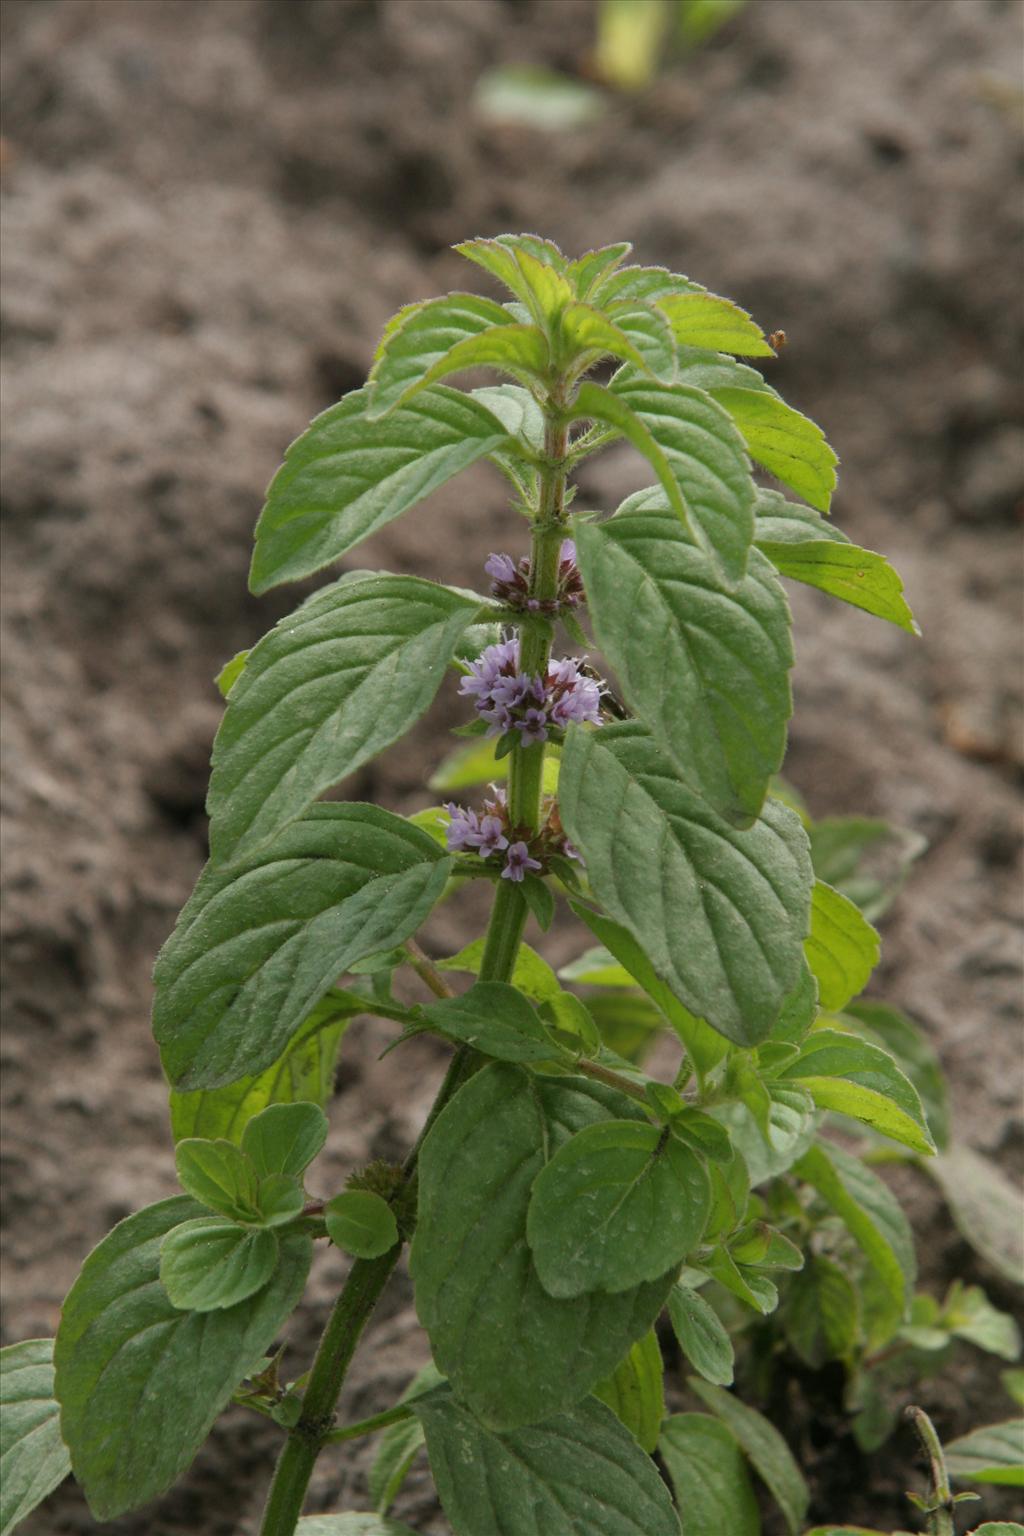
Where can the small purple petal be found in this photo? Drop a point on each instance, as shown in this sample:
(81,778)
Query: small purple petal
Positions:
(534,726)
(517,862)
(567,553)
(492,836)
(500,567)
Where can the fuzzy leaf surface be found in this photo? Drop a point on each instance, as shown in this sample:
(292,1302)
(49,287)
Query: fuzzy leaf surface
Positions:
(33,1457)
(495,1019)
(702,1336)
(994,1454)
(705,320)
(853,1077)
(576,1474)
(327,690)
(875,1221)
(361,1223)
(527,272)
(709,1477)
(258,944)
(790,522)
(706,460)
(410,354)
(303,1074)
(790,446)
(220,1176)
(854,575)
(513,1353)
(347,476)
(618,1204)
(705,668)
(762,1443)
(208,1264)
(821,1313)
(705,1046)
(842,948)
(124,1355)
(285,1138)
(720,914)
(635,1391)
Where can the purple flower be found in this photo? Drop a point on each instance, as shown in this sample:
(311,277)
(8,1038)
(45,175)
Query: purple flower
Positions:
(567,553)
(533,727)
(579,703)
(517,862)
(464,830)
(500,568)
(572,852)
(492,837)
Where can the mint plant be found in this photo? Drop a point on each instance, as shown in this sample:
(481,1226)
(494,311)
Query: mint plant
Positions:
(560,1198)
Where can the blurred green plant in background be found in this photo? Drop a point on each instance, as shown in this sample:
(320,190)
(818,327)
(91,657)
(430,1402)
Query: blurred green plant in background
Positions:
(633,40)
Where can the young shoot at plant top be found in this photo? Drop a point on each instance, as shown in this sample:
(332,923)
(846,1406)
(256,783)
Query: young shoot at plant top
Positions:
(624,693)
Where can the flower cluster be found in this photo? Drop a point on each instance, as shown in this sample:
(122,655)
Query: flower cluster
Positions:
(512,700)
(490,833)
(510,583)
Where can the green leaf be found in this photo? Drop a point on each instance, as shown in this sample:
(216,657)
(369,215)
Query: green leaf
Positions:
(708,469)
(285,1138)
(709,1476)
(208,1264)
(635,1391)
(782,441)
(495,1019)
(571,1019)
(714,324)
(597,967)
(327,690)
(475,763)
(968,1313)
(530,96)
(398,1444)
(303,1074)
(531,974)
(702,1337)
(514,1354)
(140,1383)
(636,335)
(258,944)
(792,1126)
(1013,1381)
(994,1454)
(529,275)
(347,476)
(985,1207)
(903,1039)
(219,1176)
(618,1204)
(33,1457)
(856,576)
(351,1525)
(361,1223)
(754,1290)
(646,285)
(876,1223)
(864,858)
(704,1045)
(790,522)
(990,1528)
(706,670)
(842,949)
(577,1474)
(821,1313)
(720,914)
(540,901)
(280,1200)
(764,1446)
(230,672)
(626,1022)
(847,1074)
(418,351)
(596,266)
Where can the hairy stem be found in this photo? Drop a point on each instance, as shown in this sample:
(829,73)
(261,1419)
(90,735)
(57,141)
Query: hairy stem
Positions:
(940,1515)
(367,1277)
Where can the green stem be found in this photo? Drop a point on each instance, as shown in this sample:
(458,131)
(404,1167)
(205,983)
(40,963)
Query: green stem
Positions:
(396,1415)
(940,1515)
(367,1277)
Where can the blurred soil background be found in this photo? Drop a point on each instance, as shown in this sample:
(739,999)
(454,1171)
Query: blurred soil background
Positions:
(210,209)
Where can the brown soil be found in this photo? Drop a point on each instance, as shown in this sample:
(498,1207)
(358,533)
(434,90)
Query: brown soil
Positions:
(210,210)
